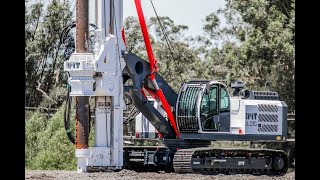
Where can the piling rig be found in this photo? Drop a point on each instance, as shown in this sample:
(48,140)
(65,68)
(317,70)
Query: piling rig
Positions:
(202,111)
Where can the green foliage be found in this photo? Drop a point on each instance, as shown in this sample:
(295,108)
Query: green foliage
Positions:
(48,144)
(34,125)
(258,45)
(43,52)
(178,61)
(55,97)
(134,38)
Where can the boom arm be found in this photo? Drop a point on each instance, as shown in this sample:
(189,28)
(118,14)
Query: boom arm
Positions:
(137,69)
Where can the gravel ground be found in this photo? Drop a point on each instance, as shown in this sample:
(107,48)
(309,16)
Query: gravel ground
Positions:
(128,175)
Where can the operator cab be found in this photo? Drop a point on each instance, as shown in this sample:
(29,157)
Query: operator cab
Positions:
(203,106)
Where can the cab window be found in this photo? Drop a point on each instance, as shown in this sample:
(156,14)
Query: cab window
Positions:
(224,100)
(209,101)
(208,108)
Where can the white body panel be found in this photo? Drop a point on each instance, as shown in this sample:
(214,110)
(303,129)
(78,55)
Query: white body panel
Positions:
(143,128)
(99,156)
(237,114)
(256,116)
(261,120)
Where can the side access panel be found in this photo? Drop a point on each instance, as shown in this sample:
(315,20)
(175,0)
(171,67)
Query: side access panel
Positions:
(152,114)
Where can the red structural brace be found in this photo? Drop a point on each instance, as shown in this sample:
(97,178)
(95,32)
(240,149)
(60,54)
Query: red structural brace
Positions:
(123,36)
(152,60)
(154,67)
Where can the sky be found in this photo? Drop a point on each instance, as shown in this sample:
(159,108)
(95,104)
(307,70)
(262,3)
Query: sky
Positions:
(184,12)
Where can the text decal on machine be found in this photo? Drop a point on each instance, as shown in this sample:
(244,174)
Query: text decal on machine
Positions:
(251,119)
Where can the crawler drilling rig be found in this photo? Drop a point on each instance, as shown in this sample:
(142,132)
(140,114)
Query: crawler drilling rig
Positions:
(202,111)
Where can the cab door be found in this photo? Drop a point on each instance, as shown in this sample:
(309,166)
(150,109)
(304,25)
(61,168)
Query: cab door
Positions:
(215,109)
(209,110)
(224,109)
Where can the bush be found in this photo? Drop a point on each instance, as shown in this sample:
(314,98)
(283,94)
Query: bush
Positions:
(47,145)
(34,125)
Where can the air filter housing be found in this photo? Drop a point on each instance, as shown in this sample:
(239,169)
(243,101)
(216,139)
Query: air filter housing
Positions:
(262,95)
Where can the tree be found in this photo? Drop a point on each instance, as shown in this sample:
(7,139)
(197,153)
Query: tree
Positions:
(43,53)
(258,44)
(177,61)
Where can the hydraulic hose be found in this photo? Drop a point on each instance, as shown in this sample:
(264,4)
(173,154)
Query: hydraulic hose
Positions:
(67,112)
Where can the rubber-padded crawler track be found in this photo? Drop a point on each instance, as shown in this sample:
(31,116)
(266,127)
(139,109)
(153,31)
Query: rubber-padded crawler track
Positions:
(183,158)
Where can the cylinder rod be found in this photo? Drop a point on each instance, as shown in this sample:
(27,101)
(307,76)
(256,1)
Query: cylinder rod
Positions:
(82,26)
(82,46)
(82,122)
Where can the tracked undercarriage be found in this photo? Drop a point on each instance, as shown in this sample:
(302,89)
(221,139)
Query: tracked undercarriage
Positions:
(206,160)
(230,161)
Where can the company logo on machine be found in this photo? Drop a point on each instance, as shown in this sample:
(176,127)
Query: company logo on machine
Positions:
(251,119)
(240,163)
(252,116)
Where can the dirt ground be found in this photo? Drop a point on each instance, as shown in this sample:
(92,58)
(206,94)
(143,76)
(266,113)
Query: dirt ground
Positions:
(132,175)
